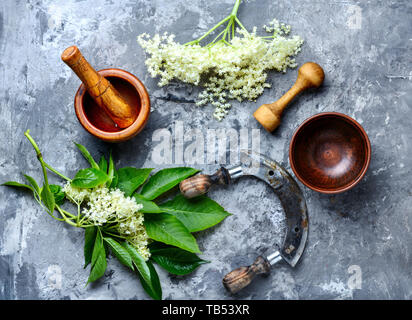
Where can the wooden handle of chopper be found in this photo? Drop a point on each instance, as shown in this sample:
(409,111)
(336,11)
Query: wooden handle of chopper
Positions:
(310,75)
(99,88)
(241,277)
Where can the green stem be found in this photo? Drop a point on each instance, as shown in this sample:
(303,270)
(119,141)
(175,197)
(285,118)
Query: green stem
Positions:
(114,235)
(217,37)
(40,157)
(227,32)
(67,213)
(61,211)
(33,143)
(235,8)
(48,212)
(111,227)
(209,32)
(88,224)
(78,214)
(66,216)
(240,24)
(46,186)
(225,42)
(57,172)
(82,220)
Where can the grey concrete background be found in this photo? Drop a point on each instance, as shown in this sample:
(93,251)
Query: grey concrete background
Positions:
(365,49)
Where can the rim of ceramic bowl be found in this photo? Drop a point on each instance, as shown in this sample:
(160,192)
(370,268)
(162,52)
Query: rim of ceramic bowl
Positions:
(128,132)
(365,139)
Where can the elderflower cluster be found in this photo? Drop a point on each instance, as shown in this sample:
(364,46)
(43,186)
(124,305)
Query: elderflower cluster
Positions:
(102,205)
(75,195)
(234,71)
(106,205)
(134,229)
(277,28)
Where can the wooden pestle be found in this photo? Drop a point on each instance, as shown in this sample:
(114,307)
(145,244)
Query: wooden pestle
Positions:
(100,89)
(310,75)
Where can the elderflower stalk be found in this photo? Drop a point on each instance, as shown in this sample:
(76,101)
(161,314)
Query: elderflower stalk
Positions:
(229,31)
(233,65)
(40,157)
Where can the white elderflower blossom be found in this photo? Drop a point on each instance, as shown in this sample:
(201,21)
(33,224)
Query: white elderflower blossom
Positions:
(75,195)
(234,71)
(134,229)
(102,205)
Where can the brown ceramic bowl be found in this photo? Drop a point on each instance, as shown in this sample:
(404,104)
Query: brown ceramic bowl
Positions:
(330,152)
(98,123)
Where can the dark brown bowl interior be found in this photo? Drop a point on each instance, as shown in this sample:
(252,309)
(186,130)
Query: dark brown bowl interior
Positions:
(330,152)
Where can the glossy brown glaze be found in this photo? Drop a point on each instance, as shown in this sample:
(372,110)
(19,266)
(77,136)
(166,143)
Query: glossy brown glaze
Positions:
(105,95)
(330,152)
(98,123)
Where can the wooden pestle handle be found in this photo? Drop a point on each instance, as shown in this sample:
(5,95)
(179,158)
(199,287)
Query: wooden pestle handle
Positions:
(310,75)
(241,277)
(100,89)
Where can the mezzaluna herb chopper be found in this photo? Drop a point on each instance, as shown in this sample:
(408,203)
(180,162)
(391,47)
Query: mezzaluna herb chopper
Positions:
(293,203)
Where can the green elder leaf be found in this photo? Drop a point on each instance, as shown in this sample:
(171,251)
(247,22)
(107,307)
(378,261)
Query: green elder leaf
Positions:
(129,179)
(98,246)
(89,240)
(33,183)
(103,164)
(86,154)
(155,245)
(155,289)
(17,184)
(98,262)
(121,253)
(111,172)
(168,229)
(196,214)
(148,206)
(99,267)
(89,178)
(165,180)
(176,260)
(58,193)
(147,274)
(113,184)
(48,198)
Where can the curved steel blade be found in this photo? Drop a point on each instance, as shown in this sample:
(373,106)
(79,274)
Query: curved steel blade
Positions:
(291,198)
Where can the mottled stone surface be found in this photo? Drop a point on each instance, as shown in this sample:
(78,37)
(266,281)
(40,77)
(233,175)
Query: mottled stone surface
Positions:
(365,49)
